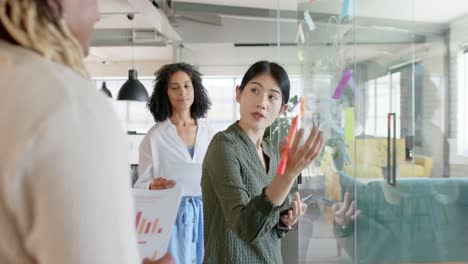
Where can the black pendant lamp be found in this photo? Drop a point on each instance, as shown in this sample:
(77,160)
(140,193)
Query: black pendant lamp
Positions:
(105,90)
(133,89)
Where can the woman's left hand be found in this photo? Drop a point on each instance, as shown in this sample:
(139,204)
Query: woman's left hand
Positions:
(293,215)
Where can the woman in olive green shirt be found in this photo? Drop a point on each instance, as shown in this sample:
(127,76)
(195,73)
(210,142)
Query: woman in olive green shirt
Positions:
(241,189)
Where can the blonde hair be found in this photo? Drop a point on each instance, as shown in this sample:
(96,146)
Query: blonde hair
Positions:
(25,24)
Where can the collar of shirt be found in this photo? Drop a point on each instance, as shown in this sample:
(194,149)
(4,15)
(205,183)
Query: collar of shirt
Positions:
(169,142)
(166,124)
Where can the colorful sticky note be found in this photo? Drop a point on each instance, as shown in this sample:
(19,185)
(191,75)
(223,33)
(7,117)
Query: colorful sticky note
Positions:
(349,125)
(300,33)
(347,74)
(303,106)
(309,21)
(299,55)
(347,9)
(326,164)
(344,9)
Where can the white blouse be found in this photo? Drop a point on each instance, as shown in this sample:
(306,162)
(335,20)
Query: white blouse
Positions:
(164,154)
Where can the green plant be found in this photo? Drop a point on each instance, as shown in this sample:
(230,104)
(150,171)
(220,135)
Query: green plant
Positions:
(335,136)
(329,124)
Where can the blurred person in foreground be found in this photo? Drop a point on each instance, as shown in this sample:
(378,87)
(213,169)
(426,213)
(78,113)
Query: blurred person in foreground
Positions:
(65,188)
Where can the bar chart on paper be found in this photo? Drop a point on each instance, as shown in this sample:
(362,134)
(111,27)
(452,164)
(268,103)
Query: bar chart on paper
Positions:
(154,218)
(145,226)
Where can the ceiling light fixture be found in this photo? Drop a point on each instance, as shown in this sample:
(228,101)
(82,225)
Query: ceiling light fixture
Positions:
(105,90)
(133,89)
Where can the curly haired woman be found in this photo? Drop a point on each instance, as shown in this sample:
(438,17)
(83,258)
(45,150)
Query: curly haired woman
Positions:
(173,150)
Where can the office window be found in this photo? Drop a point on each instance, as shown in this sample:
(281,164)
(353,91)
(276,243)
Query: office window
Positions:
(222,92)
(462,96)
(383,95)
(133,115)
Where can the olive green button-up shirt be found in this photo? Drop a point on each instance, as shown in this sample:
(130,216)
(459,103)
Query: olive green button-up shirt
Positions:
(239,221)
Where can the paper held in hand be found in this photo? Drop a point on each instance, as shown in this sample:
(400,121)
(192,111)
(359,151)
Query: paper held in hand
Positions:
(155,215)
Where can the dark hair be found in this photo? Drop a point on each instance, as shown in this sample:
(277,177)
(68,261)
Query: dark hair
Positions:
(277,72)
(159,104)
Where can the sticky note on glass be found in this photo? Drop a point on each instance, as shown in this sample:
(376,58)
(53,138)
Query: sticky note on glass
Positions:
(300,34)
(303,106)
(349,125)
(344,9)
(347,74)
(347,9)
(309,21)
(299,55)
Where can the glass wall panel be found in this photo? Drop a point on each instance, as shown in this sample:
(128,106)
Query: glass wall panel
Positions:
(383,80)
(326,55)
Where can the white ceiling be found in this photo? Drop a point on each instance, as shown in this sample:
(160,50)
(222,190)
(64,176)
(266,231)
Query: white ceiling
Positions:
(113,15)
(114,54)
(424,10)
(418,10)
(266,4)
(413,10)
(121,21)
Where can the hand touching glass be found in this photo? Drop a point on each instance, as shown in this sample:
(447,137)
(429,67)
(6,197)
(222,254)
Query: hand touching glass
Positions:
(345,212)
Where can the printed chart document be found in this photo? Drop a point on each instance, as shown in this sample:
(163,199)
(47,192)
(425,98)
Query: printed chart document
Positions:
(155,215)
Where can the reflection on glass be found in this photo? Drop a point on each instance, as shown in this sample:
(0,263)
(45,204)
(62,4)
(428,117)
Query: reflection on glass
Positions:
(408,61)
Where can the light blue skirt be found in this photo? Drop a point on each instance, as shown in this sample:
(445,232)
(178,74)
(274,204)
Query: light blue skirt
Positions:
(186,244)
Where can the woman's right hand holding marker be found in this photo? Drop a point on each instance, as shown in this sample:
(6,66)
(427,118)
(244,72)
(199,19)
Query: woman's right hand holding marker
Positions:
(299,156)
(302,155)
